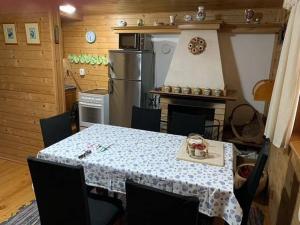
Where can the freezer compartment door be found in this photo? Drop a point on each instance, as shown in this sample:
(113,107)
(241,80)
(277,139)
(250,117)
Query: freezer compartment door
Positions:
(123,95)
(125,65)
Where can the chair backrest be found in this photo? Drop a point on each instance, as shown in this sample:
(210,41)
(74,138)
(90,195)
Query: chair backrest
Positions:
(60,192)
(246,193)
(145,119)
(55,129)
(150,206)
(184,124)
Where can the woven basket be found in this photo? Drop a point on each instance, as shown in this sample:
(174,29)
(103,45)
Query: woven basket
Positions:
(239,180)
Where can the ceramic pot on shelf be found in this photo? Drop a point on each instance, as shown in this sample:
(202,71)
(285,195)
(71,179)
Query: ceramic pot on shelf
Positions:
(140,22)
(249,15)
(121,23)
(166,89)
(172,19)
(207,91)
(188,18)
(201,14)
(186,90)
(176,90)
(217,92)
(196,91)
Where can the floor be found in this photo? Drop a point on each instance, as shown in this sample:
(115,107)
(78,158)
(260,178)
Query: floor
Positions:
(15,189)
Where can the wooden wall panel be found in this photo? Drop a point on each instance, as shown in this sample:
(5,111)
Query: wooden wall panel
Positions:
(27,86)
(284,180)
(74,36)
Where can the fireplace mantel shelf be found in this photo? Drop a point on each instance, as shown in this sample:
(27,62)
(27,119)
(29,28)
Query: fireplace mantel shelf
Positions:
(229,97)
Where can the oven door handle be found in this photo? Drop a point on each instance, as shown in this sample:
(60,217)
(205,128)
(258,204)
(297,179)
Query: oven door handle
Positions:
(110,69)
(90,105)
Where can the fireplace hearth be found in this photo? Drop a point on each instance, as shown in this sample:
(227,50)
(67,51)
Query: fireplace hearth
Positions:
(183,120)
(212,109)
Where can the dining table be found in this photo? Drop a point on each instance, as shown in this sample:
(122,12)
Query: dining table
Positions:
(112,154)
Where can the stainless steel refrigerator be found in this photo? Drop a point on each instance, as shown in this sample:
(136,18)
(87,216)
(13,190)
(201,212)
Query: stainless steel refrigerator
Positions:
(131,77)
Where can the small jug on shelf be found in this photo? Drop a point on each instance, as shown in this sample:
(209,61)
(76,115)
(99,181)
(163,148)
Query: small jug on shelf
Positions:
(172,19)
(201,14)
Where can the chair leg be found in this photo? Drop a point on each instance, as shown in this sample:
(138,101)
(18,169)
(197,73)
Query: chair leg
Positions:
(205,220)
(120,221)
(219,221)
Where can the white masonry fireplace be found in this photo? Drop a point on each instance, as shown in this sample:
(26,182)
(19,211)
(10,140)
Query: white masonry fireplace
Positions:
(196,71)
(202,71)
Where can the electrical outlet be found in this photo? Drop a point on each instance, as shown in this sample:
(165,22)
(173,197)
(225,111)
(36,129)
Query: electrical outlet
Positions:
(82,72)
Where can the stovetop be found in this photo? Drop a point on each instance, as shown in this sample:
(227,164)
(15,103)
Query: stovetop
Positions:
(96,92)
(94,96)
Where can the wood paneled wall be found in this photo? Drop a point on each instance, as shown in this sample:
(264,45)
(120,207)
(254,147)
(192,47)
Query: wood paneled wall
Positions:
(284,184)
(74,36)
(28,85)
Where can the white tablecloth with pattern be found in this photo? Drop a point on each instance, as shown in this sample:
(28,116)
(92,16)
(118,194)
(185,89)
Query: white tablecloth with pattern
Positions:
(149,158)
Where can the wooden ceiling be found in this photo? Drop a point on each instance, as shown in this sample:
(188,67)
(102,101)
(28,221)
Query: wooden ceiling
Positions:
(146,6)
(141,6)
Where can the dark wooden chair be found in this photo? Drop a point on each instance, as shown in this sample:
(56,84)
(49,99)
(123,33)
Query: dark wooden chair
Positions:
(150,206)
(246,193)
(56,128)
(145,119)
(62,197)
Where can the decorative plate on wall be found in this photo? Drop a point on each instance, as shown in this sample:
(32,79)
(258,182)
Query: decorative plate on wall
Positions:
(197,45)
(166,48)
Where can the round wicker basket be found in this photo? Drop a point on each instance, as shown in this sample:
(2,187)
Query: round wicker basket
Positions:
(239,180)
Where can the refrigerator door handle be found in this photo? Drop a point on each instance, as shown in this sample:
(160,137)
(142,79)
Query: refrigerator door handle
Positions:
(110,86)
(111,69)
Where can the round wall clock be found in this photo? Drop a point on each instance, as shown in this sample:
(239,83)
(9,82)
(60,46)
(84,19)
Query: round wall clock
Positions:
(90,37)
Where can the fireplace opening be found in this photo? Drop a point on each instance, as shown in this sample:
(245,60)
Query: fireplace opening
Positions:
(183,120)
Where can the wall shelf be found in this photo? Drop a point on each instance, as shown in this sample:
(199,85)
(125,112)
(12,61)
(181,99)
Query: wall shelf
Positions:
(252,28)
(207,25)
(231,96)
(165,29)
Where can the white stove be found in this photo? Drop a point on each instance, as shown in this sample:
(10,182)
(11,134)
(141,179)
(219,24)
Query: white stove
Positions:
(93,108)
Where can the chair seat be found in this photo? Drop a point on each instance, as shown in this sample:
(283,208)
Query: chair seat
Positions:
(102,212)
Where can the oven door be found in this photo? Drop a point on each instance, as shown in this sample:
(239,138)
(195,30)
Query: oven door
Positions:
(90,114)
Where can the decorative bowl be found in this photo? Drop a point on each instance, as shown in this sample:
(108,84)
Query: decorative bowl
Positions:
(207,91)
(186,90)
(196,91)
(176,89)
(166,89)
(217,92)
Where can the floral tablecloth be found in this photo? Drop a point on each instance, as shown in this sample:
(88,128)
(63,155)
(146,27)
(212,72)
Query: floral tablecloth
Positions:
(149,158)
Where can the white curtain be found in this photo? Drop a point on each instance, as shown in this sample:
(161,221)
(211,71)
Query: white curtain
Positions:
(285,97)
